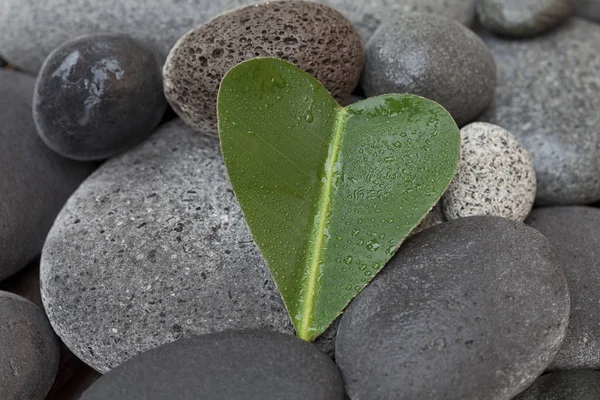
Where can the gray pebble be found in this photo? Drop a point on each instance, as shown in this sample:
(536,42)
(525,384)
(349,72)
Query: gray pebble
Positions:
(574,232)
(29,350)
(521,18)
(98,95)
(434,57)
(547,97)
(434,217)
(495,176)
(475,308)
(589,9)
(34,181)
(564,385)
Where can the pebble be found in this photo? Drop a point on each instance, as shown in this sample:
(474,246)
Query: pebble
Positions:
(589,9)
(158,235)
(434,217)
(574,232)
(98,95)
(547,96)
(434,57)
(475,308)
(495,176)
(522,18)
(564,385)
(29,350)
(34,181)
(196,65)
(249,365)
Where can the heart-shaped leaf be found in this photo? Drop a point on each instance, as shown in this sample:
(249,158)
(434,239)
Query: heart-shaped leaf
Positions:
(329,193)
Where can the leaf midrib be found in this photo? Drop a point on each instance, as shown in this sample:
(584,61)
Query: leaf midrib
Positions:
(323,207)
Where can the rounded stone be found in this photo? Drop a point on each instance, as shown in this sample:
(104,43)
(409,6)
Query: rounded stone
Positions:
(434,57)
(564,385)
(474,308)
(574,233)
(29,350)
(333,53)
(547,96)
(522,18)
(495,177)
(249,365)
(98,95)
(589,9)
(158,235)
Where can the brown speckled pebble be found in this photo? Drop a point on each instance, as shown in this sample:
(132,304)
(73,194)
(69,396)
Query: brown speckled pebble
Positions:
(495,177)
(312,36)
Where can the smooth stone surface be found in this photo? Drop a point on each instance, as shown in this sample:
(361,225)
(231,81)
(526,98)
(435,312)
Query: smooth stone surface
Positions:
(495,177)
(2,63)
(198,62)
(575,232)
(589,9)
(158,235)
(34,181)
(564,385)
(98,95)
(249,365)
(475,308)
(547,96)
(433,57)
(29,350)
(522,18)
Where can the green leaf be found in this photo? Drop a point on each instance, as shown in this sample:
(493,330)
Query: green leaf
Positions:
(329,193)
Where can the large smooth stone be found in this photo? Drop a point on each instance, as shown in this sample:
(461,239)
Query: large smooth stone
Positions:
(589,9)
(34,181)
(151,248)
(248,365)
(547,96)
(564,385)
(29,350)
(333,53)
(434,57)
(475,308)
(575,234)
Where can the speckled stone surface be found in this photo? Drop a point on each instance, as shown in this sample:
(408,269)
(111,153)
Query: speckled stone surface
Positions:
(34,181)
(495,176)
(575,233)
(434,57)
(98,95)
(522,18)
(247,365)
(29,350)
(475,308)
(547,96)
(158,235)
(589,9)
(198,62)
(564,385)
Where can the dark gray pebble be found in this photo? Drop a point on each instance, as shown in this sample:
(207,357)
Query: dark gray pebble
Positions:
(564,385)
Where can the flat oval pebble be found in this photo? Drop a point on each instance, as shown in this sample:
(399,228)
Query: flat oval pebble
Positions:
(564,385)
(522,18)
(98,95)
(474,308)
(29,350)
(433,57)
(249,365)
(547,96)
(574,233)
(495,176)
(151,248)
(196,65)
(34,181)
(589,9)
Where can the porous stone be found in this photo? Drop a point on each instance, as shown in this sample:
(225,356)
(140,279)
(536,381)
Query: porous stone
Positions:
(574,233)
(589,9)
(496,176)
(196,65)
(29,350)
(34,181)
(434,57)
(547,96)
(249,365)
(522,18)
(158,235)
(564,385)
(98,95)
(474,308)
